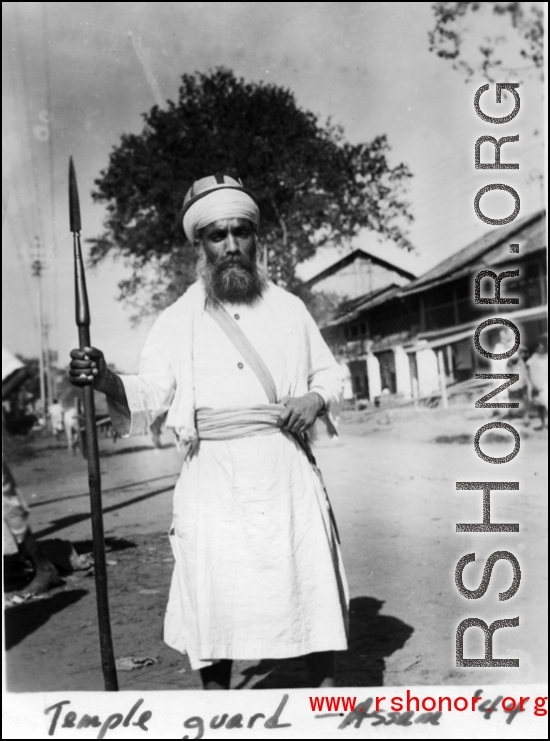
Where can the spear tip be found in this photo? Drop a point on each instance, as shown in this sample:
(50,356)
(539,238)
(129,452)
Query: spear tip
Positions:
(74,204)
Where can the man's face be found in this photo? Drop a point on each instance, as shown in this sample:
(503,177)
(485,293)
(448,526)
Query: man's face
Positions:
(228,237)
(230,271)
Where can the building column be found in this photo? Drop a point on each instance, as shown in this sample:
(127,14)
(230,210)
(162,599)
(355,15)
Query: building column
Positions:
(402,372)
(373,374)
(428,371)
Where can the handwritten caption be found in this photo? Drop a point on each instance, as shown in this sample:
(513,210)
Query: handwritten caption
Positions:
(404,710)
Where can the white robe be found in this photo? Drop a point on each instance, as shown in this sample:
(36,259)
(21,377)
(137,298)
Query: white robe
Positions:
(258,572)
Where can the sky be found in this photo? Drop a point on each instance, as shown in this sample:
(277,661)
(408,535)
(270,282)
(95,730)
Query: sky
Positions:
(77,76)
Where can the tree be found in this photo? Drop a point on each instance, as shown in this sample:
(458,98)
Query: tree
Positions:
(313,187)
(322,305)
(513,46)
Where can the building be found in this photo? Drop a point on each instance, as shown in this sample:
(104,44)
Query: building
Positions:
(405,339)
(357,274)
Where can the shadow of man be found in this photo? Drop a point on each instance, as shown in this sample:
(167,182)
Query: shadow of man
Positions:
(372,638)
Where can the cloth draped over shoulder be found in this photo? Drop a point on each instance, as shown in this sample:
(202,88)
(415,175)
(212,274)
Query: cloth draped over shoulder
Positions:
(166,378)
(258,572)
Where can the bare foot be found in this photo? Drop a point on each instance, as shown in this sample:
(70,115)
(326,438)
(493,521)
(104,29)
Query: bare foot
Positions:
(45,579)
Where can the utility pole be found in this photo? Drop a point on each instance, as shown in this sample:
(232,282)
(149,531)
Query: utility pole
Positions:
(50,386)
(37,268)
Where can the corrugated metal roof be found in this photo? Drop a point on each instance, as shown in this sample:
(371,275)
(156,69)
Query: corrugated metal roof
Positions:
(491,249)
(350,305)
(357,254)
(450,335)
(365,302)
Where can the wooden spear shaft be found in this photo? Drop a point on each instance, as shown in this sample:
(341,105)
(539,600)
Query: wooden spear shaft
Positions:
(94,472)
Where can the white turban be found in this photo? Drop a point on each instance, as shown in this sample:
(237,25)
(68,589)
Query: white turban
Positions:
(222,203)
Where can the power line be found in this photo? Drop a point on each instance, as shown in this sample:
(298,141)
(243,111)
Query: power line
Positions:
(24,112)
(17,209)
(455,189)
(454,161)
(25,269)
(22,162)
(49,105)
(466,177)
(21,55)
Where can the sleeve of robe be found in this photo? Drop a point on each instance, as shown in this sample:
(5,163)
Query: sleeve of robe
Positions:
(324,375)
(150,392)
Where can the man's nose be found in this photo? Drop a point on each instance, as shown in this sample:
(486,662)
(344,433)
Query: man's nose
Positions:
(231,244)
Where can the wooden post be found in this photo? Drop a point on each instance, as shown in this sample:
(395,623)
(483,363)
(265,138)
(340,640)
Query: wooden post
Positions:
(442,380)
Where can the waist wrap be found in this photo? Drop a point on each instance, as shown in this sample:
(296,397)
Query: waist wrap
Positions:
(231,422)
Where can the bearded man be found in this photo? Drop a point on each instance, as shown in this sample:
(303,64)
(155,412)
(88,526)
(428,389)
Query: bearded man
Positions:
(243,372)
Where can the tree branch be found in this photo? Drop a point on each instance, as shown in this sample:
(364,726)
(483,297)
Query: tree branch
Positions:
(281,222)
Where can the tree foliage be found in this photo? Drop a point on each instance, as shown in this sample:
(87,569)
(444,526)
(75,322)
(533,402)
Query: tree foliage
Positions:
(513,46)
(322,305)
(313,186)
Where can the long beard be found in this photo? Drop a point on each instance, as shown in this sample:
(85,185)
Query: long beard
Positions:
(233,279)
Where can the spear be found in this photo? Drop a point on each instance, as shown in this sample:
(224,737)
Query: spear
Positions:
(94,473)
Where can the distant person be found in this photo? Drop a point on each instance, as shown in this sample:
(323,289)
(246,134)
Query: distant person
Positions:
(70,424)
(56,418)
(505,342)
(16,511)
(348,394)
(537,366)
(332,419)
(520,392)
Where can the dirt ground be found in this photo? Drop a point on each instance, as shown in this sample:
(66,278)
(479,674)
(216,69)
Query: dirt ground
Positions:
(391,478)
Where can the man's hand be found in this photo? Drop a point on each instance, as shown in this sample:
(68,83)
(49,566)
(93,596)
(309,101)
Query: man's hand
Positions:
(86,366)
(300,412)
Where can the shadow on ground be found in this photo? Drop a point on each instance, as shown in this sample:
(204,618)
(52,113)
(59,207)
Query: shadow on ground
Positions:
(110,490)
(127,451)
(112,544)
(22,620)
(373,637)
(63,522)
